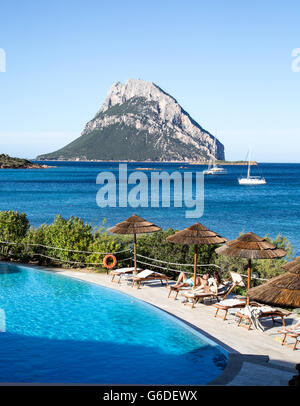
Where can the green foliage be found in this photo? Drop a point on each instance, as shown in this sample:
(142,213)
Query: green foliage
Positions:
(265,269)
(156,246)
(33,245)
(72,234)
(13,163)
(119,141)
(104,242)
(13,228)
(269,269)
(68,235)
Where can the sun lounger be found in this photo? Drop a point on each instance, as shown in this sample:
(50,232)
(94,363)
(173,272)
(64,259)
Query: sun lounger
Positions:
(295,334)
(120,272)
(194,297)
(261,313)
(146,276)
(228,304)
(177,290)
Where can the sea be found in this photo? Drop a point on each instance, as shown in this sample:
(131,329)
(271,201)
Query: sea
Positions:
(70,189)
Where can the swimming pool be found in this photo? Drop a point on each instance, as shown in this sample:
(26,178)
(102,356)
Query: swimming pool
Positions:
(56,329)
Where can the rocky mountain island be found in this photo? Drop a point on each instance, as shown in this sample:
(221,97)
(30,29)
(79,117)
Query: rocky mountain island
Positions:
(138,121)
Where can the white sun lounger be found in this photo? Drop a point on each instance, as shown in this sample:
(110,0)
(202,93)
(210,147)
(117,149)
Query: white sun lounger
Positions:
(122,272)
(148,275)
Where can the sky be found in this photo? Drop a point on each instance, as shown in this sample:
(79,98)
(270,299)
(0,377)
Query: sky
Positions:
(231,65)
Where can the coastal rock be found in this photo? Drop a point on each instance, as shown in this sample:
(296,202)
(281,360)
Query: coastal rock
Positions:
(7,162)
(139,121)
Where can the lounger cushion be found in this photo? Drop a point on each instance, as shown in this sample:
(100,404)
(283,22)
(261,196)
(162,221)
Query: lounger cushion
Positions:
(123,270)
(237,278)
(231,302)
(144,273)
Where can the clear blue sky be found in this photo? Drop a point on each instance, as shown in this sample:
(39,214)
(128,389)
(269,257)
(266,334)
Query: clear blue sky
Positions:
(228,63)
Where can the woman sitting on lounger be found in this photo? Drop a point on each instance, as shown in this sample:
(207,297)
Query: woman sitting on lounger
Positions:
(215,281)
(209,284)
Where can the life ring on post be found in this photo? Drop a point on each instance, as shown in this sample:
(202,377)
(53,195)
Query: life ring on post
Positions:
(105,261)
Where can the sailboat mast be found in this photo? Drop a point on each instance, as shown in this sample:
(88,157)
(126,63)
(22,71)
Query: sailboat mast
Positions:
(214,165)
(248,174)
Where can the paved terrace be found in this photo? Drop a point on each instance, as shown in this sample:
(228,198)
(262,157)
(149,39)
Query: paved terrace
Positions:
(255,357)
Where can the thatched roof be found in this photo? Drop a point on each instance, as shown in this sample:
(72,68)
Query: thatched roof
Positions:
(282,290)
(134,225)
(196,234)
(295,264)
(250,246)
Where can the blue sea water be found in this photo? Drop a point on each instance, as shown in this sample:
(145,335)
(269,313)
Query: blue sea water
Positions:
(70,189)
(55,329)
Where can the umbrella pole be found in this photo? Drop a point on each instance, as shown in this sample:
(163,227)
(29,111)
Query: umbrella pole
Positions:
(249,280)
(134,252)
(195,264)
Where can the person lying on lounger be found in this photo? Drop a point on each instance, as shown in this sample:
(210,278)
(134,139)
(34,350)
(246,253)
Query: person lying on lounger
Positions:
(183,281)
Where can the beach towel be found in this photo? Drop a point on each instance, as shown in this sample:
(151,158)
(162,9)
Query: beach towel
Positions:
(253,313)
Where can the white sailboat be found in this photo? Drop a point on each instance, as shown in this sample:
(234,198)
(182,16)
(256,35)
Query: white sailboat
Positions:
(251,180)
(213,168)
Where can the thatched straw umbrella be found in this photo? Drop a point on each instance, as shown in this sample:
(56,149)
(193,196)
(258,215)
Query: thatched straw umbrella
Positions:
(195,235)
(134,225)
(292,264)
(283,290)
(250,246)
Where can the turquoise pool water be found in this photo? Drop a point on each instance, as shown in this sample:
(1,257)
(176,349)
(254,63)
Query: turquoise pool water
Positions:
(57,329)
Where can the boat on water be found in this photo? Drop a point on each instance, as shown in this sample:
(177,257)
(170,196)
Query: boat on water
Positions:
(251,180)
(213,167)
(214,170)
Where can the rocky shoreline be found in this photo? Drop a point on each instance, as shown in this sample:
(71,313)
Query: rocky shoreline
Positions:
(155,162)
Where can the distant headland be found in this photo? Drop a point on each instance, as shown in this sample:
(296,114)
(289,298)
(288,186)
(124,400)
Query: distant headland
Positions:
(8,162)
(219,162)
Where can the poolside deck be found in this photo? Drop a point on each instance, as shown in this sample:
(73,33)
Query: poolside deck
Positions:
(256,358)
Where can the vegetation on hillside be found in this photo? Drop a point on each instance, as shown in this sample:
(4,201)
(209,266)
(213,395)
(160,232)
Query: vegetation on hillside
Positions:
(56,245)
(7,162)
(122,141)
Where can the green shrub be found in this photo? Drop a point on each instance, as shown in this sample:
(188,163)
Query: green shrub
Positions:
(73,234)
(156,246)
(105,243)
(13,228)
(261,268)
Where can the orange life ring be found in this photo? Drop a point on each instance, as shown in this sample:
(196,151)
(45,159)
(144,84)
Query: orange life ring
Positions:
(112,264)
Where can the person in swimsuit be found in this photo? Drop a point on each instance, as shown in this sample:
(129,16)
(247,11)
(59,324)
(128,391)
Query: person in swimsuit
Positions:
(209,284)
(184,281)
